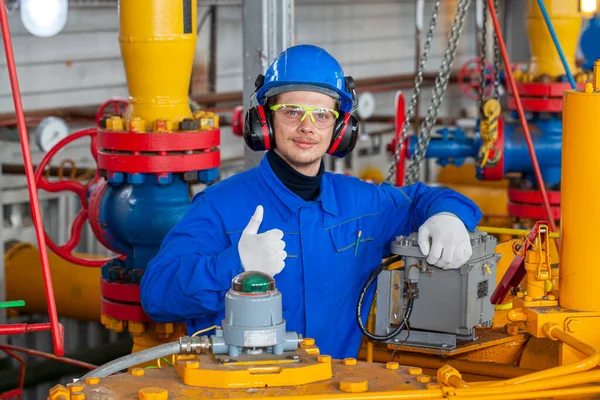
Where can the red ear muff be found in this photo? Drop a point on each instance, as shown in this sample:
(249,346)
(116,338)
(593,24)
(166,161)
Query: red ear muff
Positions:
(345,135)
(258,133)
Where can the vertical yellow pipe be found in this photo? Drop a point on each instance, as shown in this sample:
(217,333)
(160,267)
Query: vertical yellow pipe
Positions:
(566,20)
(579,273)
(157,39)
(597,74)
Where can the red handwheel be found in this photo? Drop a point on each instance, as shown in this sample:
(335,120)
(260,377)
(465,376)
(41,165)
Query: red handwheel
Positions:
(469,78)
(113,106)
(81,190)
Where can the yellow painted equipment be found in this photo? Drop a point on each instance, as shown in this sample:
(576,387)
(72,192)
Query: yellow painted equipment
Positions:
(566,19)
(580,200)
(558,309)
(76,288)
(158,89)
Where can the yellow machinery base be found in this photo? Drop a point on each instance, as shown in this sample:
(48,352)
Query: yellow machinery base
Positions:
(350,378)
(265,370)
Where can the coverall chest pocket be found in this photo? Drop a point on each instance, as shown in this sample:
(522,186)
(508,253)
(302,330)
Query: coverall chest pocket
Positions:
(352,252)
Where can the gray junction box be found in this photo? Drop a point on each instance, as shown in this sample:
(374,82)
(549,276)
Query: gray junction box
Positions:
(450,303)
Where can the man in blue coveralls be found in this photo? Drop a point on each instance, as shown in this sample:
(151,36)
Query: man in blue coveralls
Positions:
(290,219)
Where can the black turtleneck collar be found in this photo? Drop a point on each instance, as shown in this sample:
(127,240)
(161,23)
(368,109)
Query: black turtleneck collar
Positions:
(306,187)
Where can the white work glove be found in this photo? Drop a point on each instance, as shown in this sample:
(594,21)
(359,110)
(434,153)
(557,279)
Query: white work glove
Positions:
(450,241)
(261,251)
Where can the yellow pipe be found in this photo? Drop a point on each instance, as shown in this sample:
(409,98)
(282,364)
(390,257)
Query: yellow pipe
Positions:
(566,20)
(480,368)
(391,395)
(157,40)
(579,276)
(545,394)
(76,288)
(512,232)
(536,287)
(489,393)
(546,384)
(553,332)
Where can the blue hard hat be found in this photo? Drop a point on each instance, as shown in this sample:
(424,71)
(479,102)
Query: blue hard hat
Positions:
(306,67)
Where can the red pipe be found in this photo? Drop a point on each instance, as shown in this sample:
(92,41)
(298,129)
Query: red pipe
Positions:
(513,86)
(19,329)
(49,356)
(19,391)
(11,394)
(57,337)
(399,122)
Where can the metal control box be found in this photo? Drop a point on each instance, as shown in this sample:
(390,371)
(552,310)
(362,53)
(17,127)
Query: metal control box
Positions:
(450,303)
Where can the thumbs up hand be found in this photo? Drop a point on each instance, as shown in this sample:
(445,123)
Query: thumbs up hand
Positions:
(261,251)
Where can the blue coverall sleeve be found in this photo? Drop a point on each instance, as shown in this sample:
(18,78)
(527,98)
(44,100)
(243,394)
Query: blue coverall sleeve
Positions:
(189,276)
(405,209)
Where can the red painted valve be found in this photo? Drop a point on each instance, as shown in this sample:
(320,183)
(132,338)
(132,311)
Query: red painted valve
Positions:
(469,78)
(119,107)
(81,190)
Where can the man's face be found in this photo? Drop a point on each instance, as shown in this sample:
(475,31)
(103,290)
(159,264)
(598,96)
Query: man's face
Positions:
(304,144)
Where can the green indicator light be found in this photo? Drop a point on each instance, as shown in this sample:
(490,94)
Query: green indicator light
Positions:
(256,284)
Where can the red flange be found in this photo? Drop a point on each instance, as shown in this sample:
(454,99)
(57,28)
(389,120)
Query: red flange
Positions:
(156,164)
(157,142)
(531,211)
(119,291)
(532,196)
(122,301)
(528,204)
(540,97)
(533,104)
(158,152)
(536,89)
(122,311)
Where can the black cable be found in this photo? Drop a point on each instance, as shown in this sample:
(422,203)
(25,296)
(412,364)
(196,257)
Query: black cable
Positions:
(368,283)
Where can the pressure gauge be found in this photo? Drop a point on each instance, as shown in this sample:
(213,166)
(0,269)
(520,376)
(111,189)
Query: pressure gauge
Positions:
(366,105)
(49,132)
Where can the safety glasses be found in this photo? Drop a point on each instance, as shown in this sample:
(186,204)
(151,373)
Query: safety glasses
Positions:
(294,115)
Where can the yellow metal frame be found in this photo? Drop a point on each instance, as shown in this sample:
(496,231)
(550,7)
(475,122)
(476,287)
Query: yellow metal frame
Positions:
(207,371)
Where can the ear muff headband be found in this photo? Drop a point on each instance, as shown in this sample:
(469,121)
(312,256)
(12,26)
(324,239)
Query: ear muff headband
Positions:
(266,131)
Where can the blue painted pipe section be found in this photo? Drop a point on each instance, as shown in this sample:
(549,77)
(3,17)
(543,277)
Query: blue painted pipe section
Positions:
(136,213)
(453,147)
(546,136)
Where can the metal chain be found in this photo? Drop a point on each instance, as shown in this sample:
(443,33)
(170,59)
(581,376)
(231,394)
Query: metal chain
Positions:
(483,54)
(441,83)
(418,81)
(496,61)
